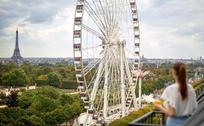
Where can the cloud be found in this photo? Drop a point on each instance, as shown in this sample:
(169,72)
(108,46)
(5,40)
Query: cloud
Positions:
(168,28)
(44,27)
(32,11)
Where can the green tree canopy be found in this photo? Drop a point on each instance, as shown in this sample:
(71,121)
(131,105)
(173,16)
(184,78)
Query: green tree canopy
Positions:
(54,79)
(14,78)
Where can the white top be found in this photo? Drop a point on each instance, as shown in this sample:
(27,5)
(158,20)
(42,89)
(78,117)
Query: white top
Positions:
(172,96)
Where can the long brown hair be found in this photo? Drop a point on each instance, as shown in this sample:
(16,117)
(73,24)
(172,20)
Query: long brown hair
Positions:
(180,72)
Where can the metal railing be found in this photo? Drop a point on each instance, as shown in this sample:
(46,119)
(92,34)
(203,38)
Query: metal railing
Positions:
(152,118)
(158,118)
(200,93)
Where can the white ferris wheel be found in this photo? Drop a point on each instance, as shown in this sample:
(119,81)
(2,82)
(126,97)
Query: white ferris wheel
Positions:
(106,43)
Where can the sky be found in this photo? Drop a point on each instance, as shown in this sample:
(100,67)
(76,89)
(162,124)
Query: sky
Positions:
(169,28)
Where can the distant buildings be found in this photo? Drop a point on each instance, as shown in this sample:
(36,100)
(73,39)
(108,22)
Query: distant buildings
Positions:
(47,60)
(171,61)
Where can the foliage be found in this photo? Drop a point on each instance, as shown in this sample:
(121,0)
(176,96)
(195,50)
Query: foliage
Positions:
(29,121)
(2,98)
(54,79)
(69,85)
(35,98)
(9,115)
(45,105)
(50,105)
(59,75)
(14,78)
(126,120)
(12,99)
(198,83)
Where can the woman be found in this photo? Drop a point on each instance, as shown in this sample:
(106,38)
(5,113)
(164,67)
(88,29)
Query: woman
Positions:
(179,98)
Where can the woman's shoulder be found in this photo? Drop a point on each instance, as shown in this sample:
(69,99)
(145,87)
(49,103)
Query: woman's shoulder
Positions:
(190,87)
(172,86)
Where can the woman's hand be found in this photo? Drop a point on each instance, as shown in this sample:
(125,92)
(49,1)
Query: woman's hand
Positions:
(159,106)
(170,111)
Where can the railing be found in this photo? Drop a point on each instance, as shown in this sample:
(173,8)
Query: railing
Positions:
(157,118)
(152,118)
(199,89)
(200,93)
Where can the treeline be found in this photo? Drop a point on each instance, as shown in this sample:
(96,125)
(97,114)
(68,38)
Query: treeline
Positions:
(59,75)
(161,76)
(40,107)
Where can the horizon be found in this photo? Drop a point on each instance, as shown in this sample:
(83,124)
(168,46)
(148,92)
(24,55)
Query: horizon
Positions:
(155,58)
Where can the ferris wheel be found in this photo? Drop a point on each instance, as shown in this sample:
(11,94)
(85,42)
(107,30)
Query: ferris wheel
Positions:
(106,44)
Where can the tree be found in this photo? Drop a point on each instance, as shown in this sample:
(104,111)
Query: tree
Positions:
(14,78)
(49,119)
(26,99)
(73,111)
(2,98)
(42,104)
(23,121)
(9,115)
(3,119)
(43,99)
(63,72)
(59,115)
(29,121)
(66,99)
(37,121)
(42,77)
(44,70)
(54,79)
(12,99)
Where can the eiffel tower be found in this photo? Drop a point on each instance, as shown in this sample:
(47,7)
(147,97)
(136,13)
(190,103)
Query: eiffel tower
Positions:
(16,54)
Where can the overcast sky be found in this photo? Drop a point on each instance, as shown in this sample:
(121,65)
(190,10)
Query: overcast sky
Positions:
(169,28)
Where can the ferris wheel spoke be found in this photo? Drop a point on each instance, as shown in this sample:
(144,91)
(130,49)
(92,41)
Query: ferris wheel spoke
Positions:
(90,48)
(97,22)
(96,82)
(105,106)
(108,13)
(94,15)
(91,66)
(104,13)
(94,32)
(100,9)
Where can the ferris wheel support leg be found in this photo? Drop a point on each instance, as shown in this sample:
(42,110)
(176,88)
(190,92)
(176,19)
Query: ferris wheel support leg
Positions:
(131,83)
(134,94)
(96,84)
(105,100)
(134,97)
(140,92)
(122,82)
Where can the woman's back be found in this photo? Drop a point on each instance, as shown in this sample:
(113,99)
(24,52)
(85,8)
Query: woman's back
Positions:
(172,96)
(180,98)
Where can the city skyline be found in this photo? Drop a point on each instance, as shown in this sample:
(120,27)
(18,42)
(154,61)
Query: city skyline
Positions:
(170,29)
